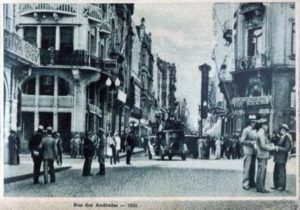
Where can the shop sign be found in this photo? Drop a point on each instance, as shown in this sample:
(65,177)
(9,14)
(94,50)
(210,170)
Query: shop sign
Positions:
(240,103)
(264,111)
(122,96)
(14,44)
(111,66)
(95,110)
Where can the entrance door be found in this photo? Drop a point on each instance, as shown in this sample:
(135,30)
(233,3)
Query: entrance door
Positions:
(46,119)
(27,129)
(64,128)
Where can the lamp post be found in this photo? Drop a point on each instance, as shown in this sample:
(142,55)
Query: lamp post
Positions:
(108,83)
(112,92)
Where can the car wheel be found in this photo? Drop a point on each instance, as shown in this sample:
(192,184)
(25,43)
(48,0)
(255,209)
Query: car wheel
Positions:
(183,156)
(170,157)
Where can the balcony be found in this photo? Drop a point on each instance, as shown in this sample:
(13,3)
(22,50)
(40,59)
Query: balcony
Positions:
(15,45)
(67,9)
(251,62)
(47,101)
(94,13)
(253,13)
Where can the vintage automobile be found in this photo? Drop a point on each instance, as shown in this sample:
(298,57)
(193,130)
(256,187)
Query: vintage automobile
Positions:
(168,143)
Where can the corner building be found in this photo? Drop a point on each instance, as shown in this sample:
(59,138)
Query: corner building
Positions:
(82,46)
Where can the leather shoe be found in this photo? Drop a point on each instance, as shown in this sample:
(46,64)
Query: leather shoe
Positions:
(246,188)
(263,191)
(274,188)
(280,189)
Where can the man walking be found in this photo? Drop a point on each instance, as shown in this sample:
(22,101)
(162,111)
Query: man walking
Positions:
(100,151)
(263,154)
(49,151)
(130,141)
(36,153)
(248,139)
(281,156)
(88,153)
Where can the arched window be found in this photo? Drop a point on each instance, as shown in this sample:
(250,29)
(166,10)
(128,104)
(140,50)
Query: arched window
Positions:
(63,87)
(29,87)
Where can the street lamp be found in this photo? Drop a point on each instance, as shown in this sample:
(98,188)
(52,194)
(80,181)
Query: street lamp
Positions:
(108,84)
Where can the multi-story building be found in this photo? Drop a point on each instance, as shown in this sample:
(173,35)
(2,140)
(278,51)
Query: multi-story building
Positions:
(146,72)
(264,75)
(84,73)
(20,57)
(166,87)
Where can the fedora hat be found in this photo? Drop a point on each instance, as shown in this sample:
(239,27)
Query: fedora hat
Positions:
(285,126)
(262,121)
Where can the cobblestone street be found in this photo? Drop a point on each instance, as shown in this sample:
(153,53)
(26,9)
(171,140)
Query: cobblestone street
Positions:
(152,178)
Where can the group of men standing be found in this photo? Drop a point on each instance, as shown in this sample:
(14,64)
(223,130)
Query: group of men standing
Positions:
(257,146)
(96,143)
(46,148)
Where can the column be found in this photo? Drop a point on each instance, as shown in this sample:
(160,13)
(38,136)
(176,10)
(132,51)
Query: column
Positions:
(75,38)
(97,42)
(80,108)
(39,36)
(36,110)
(55,119)
(57,38)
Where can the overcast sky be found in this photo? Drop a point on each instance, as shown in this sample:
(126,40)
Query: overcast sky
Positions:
(182,34)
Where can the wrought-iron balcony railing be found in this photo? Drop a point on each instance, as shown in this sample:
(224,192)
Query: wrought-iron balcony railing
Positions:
(251,62)
(75,58)
(69,9)
(47,101)
(17,46)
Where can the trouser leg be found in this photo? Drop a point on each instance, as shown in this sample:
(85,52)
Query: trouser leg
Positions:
(85,167)
(51,170)
(282,175)
(261,174)
(45,166)
(101,165)
(246,171)
(252,171)
(275,175)
(37,162)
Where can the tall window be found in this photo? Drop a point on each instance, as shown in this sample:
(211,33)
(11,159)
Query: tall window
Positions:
(254,41)
(66,39)
(30,35)
(48,37)
(293,98)
(46,85)
(293,44)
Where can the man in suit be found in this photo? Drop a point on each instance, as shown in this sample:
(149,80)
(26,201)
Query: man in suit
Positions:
(36,154)
(100,151)
(281,156)
(264,147)
(49,151)
(88,153)
(248,140)
(130,143)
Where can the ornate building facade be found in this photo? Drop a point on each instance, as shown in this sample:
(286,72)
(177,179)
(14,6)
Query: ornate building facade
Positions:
(83,77)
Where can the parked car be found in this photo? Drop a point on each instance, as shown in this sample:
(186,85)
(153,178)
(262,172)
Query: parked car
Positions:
(169,143)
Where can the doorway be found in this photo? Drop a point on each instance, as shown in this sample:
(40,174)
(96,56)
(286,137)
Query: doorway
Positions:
(46,119)
(64,128)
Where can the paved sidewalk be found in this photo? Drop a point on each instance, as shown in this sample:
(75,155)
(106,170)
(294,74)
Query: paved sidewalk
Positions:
(13,173)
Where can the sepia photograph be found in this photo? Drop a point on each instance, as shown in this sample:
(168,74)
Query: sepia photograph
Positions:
(106,103)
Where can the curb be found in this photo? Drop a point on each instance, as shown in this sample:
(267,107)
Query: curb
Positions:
(27,176)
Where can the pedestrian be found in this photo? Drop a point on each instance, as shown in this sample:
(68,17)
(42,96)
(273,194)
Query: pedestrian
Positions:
(58,141)
(222,146)
(101,151)
(111,148)
(282,149)
(130,143)
(118,146)
(75,146)
(264,147)
(13,148)
(36,153)
(88,153)
(248,140)
(228,150)
(274,139)
(49,151)
(218,147)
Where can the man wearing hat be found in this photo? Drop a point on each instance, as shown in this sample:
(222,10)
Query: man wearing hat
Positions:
(100,151)
(281,156)
(49,151)
(263,154)
(35,149)
(248,140)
